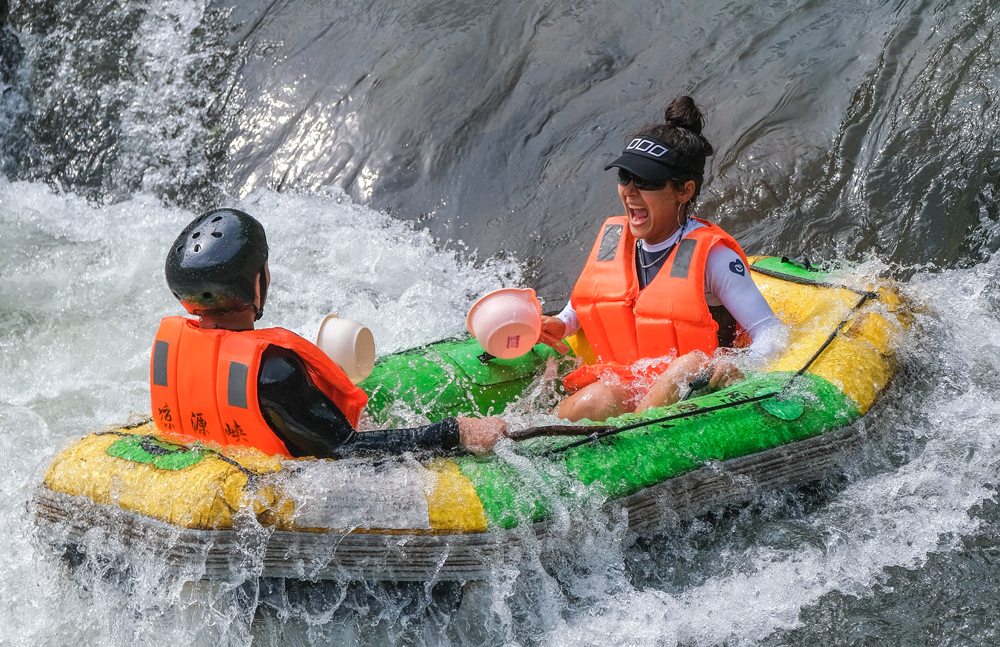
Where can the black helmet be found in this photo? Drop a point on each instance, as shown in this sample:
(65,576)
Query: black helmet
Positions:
(213,265)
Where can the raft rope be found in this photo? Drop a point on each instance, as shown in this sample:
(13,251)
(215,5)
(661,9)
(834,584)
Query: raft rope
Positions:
(865,296)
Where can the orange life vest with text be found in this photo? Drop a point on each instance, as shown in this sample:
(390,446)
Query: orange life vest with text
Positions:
(669,317)
(203,383)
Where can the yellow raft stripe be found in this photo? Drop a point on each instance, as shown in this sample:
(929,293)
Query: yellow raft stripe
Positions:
(207,494)
(204,495)
(859,361)
(452,502)
(580,346)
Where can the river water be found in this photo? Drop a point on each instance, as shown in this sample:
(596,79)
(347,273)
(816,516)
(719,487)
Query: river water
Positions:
(406,157)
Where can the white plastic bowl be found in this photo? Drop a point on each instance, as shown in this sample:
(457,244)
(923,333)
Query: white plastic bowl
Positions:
(349,344)
(506,322)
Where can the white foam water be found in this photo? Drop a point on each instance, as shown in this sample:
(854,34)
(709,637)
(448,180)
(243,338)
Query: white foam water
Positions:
(81,293)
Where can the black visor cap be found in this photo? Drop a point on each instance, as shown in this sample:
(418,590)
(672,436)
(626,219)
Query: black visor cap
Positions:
(651,158)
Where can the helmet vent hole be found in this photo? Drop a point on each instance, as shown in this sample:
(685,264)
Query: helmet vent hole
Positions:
(217,234)
(197,248)
(206,295)
(217,219)
(196,234)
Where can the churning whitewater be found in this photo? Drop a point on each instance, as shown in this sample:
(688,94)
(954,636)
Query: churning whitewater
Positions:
(408,157)
(736,578)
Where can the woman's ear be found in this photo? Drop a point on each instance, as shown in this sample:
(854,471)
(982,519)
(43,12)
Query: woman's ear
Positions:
(688,192)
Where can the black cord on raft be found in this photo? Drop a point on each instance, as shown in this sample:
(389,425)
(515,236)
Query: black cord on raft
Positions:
(791,278)
(865,296)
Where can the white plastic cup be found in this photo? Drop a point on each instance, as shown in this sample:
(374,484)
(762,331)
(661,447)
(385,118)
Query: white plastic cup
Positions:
(348,343)
(506,322)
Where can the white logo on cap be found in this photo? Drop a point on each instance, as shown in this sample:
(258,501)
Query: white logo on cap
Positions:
(645,146)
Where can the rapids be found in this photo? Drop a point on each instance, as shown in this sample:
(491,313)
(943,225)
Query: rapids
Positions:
(406,157)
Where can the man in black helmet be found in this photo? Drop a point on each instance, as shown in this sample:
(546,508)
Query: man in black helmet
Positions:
(218,380)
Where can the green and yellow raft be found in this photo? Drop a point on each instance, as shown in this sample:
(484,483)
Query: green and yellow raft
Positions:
(778,427)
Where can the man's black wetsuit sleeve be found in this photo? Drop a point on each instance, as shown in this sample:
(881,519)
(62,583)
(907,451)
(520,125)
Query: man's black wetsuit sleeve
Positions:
(311,424)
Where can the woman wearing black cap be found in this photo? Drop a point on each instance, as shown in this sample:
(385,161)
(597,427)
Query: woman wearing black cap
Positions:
(662,290)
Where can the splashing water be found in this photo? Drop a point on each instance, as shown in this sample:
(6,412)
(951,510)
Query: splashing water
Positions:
(82,292)
(491,124)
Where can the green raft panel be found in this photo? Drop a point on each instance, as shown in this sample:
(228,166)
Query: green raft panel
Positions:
(448,378)
(627,462)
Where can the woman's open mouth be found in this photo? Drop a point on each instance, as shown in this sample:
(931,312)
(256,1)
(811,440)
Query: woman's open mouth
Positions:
(637,215)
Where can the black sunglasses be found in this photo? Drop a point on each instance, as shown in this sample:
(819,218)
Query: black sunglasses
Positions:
(624,177)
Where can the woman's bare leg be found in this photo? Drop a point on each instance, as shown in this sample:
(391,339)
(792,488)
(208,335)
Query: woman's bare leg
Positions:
(666,390)
(597,402)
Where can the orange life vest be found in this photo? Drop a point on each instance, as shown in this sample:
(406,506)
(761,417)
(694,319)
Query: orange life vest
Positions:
(669,316)
(203,383)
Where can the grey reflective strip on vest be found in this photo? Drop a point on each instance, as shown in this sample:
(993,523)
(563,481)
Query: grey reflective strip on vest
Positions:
(682,259)
(609,243)
(237,388)
(160,351)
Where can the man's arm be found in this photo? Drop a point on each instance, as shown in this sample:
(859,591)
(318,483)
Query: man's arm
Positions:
(310,424)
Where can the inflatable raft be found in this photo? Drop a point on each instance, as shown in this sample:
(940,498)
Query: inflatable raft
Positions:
(212,513)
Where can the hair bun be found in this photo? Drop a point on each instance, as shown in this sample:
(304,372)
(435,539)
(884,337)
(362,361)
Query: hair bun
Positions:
(681,128)
(683,113)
